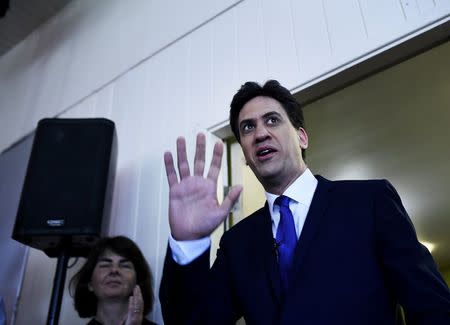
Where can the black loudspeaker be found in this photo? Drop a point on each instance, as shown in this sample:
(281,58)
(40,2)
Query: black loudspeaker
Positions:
(67,192)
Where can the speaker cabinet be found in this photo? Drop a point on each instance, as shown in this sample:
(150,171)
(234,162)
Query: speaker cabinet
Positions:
(67,193)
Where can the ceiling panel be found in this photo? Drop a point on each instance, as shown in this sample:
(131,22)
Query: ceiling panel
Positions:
(23,17)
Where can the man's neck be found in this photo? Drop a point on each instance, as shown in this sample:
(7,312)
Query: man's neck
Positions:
(278,187)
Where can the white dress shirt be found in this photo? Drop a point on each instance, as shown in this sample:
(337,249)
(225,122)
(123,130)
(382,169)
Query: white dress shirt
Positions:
(300,192)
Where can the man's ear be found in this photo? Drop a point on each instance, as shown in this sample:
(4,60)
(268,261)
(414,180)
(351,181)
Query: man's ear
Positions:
(303,138)
(90,287)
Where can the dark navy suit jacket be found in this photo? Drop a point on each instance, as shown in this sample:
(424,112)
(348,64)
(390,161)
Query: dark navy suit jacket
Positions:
(357,259)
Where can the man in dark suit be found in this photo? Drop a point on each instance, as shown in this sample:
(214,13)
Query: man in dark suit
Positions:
(318,253)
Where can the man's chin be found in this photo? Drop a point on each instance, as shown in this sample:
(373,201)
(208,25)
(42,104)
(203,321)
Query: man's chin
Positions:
(267,176)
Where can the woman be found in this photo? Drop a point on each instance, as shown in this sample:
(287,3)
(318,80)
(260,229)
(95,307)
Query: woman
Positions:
(114,286)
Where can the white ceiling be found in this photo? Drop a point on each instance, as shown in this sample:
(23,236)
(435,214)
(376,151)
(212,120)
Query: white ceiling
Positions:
(395,125)
(23,17)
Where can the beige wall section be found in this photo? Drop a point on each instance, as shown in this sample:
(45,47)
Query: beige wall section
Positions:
(252,197)
(394,125)
(446,275)
(160,73)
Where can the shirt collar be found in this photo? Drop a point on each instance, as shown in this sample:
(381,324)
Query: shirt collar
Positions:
(301,190)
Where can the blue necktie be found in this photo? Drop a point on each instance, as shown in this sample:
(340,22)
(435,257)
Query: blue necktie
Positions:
(286,240)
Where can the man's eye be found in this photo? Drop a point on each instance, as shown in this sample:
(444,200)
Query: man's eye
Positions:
(247,128)
(272,120)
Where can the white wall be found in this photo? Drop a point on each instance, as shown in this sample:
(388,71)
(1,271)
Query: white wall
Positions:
(164,68)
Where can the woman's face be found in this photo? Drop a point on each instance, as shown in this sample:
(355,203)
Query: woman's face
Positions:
(114,277)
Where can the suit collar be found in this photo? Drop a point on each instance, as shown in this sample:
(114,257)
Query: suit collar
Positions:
(301,190)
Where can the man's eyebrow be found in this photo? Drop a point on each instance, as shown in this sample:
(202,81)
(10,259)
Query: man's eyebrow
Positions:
(246,121)
(265,115)
(268,114)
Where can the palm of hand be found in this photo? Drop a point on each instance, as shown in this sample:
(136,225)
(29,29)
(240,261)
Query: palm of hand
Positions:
(194,211)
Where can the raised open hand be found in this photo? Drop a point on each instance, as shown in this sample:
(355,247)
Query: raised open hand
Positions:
(194,211)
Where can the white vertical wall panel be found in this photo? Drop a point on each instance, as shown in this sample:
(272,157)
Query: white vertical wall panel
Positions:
(410,10)
(251,50)
(282,63)
(15,93)
(224,67)
(331,34)
(430,9)
(151,168)
(84,109)
(200,75)
(48,72)
(381,17)
(127,113)
(36,289)
(103,104)
(442,6)
(152,230)
(426,7)
(346,29)
(311,38)
(177,113)
(128,33)
(140,32)
(94,30)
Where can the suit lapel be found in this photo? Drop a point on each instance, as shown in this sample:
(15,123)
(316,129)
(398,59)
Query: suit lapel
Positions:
(269,253)
(314,217)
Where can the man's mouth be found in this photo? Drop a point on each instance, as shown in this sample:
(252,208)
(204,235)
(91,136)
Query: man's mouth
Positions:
(264,152)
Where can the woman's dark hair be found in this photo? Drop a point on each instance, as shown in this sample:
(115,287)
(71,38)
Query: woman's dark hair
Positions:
(84,300)
(273,89)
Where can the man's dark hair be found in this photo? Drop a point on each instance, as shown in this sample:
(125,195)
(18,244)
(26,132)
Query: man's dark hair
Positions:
(273,89)
(85,300)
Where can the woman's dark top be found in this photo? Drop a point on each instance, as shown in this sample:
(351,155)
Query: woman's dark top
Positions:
(93,321)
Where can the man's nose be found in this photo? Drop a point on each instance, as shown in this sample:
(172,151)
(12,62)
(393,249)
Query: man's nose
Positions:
(261,133)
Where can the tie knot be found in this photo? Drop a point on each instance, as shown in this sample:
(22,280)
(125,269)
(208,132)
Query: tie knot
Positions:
(282,201)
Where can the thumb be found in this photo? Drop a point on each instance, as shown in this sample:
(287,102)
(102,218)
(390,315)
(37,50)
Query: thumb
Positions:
(231,198)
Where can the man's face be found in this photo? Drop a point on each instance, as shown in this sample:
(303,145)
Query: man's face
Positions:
(271,145)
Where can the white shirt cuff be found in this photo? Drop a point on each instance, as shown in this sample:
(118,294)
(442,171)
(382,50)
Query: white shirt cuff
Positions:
(184,252)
